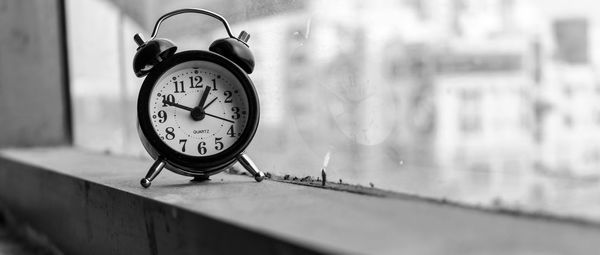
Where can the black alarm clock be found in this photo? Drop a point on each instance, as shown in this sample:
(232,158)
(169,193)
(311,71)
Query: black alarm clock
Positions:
(197,110)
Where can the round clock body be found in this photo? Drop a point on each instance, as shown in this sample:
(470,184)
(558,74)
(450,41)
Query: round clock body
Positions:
(197,111)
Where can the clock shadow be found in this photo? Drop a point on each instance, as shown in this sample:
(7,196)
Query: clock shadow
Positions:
(209,182)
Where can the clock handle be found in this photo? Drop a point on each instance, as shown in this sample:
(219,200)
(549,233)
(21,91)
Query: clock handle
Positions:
(250,167)
(195,10)
(155,169)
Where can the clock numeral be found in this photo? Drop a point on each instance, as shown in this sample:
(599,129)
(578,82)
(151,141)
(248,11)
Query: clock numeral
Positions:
(230,131)
(218,144)
(169,98)
(214,84)
(201,148)
(179,87)
(198,80)
(184,141)
(162,115)
(228,95)
(170,133)
(236,113)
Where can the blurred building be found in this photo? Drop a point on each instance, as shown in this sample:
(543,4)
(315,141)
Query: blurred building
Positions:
(477,99)
(571,141)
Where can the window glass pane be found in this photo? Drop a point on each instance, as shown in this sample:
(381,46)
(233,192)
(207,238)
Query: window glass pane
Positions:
(489,102)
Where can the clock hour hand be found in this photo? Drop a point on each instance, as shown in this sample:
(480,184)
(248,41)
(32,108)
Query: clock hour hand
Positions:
(204,97)
(197,113)
(215,116)
(177,105)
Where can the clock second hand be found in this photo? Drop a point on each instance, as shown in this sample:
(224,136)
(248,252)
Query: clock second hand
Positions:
(209,103)
(214,116)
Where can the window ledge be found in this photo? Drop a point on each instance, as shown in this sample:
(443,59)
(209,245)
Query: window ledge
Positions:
(90,203)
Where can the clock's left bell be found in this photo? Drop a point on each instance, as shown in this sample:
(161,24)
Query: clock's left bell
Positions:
(150,53)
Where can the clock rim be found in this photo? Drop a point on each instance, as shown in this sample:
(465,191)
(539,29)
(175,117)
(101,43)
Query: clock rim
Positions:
(182,163)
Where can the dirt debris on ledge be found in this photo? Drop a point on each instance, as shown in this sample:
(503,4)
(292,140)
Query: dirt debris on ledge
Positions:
(318,183)
(377,192)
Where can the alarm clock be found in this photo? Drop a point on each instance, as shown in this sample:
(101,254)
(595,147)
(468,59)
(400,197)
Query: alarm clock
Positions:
(197,110)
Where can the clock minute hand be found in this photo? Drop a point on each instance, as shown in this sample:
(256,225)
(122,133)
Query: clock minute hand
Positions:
(215,116)
(177,105)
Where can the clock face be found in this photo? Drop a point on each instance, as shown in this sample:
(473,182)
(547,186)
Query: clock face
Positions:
(198,108)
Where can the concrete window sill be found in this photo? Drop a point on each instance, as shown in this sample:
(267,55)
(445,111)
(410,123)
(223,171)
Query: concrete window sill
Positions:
(90,203)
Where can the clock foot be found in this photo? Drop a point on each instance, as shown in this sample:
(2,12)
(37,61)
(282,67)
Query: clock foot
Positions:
(200,178)
(251,167)
(152,173)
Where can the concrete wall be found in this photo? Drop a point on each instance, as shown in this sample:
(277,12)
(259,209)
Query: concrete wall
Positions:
(34,108)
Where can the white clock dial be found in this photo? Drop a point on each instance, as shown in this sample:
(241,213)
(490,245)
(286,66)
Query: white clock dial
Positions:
(198,108)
